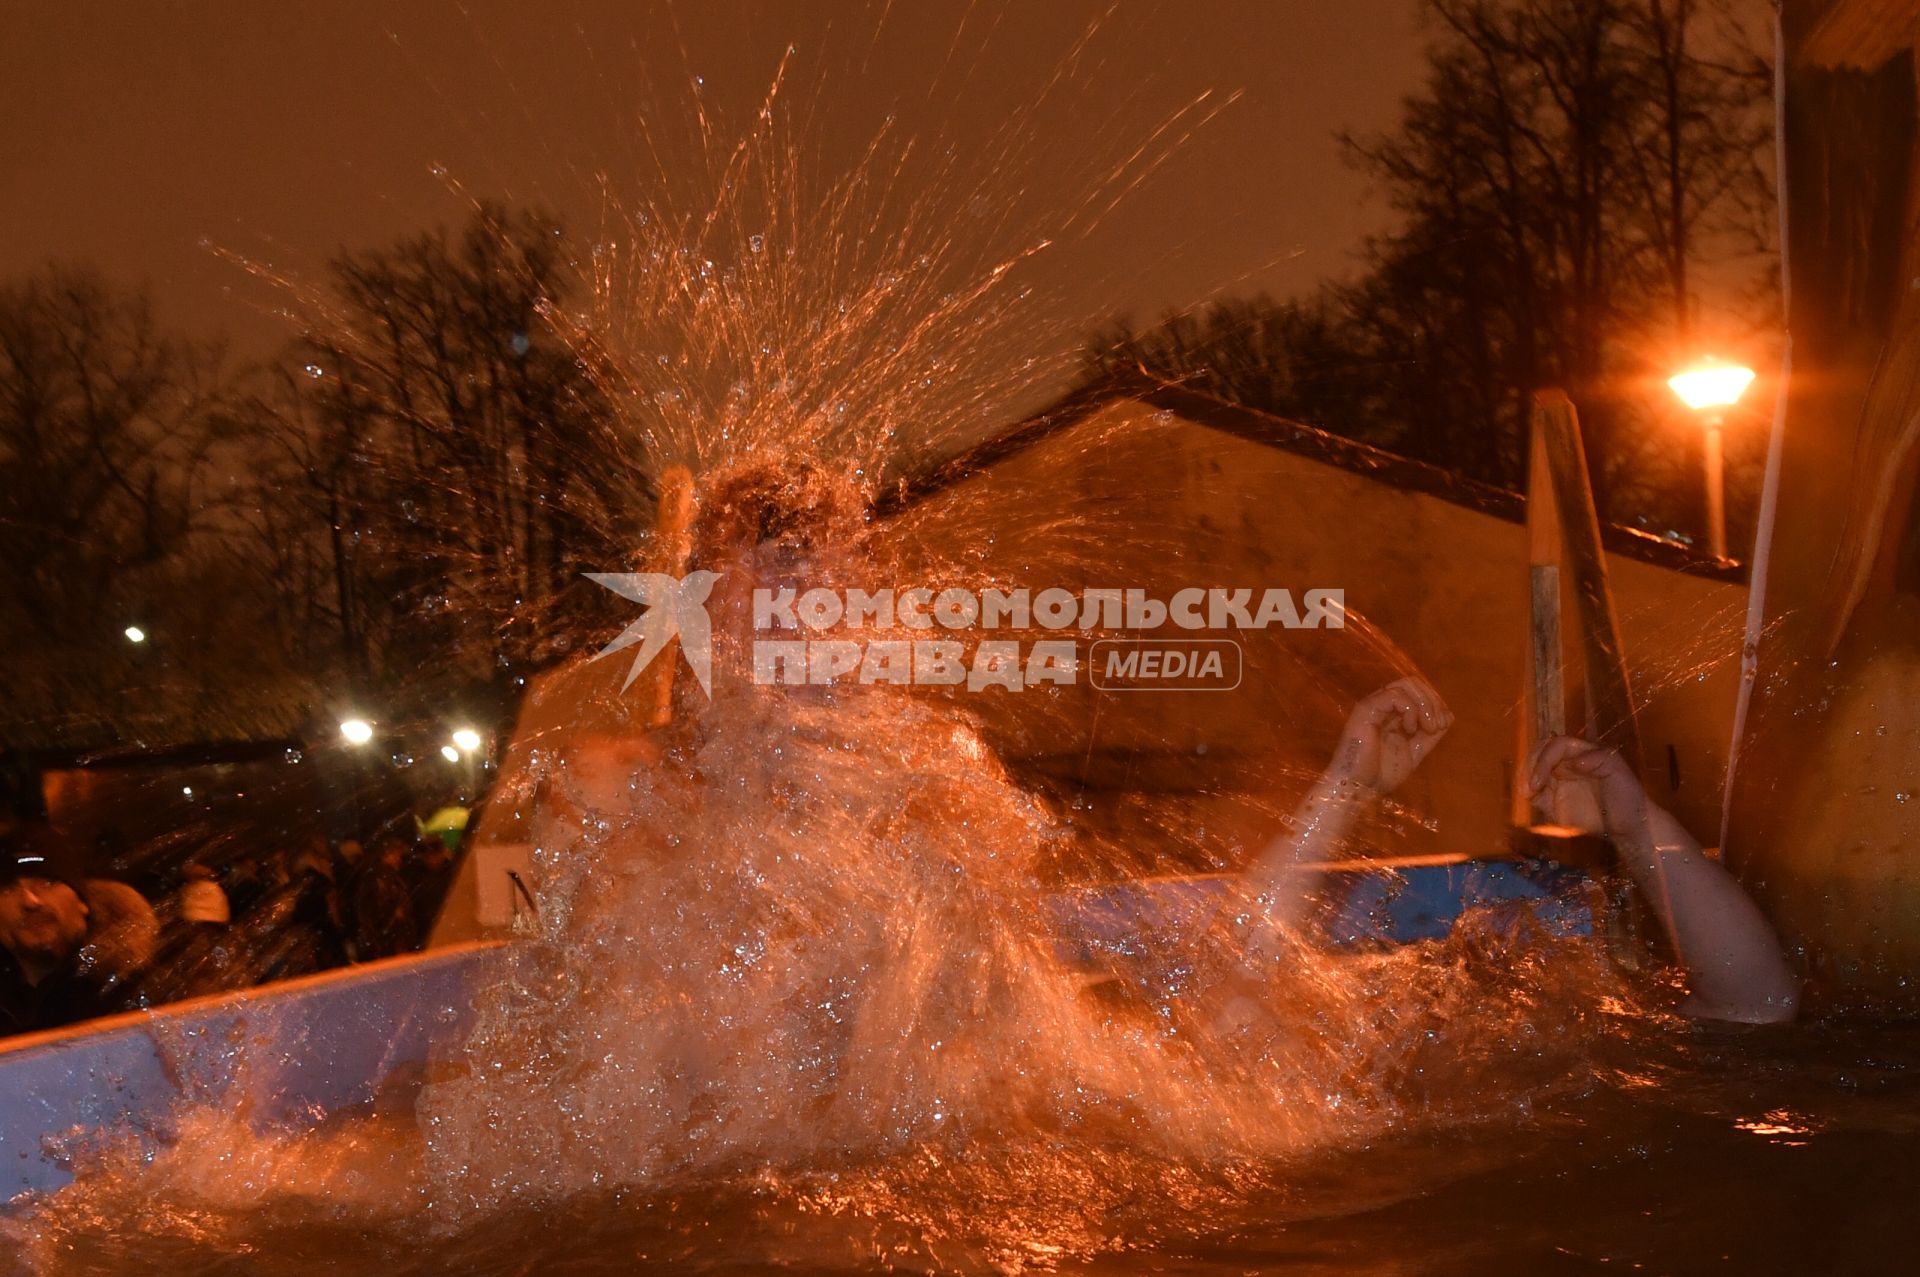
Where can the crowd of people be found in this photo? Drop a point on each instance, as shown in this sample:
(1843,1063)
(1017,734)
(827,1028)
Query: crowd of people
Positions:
(75,945)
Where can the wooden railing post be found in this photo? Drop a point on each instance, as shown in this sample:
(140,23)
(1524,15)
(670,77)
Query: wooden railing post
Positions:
(1560,471)
(1545,709)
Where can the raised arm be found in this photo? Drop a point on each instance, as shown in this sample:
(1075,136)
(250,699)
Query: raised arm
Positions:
(1384,740)
(1734,965)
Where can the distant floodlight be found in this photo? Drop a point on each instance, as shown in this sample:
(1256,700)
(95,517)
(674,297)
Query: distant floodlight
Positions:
(1711,385)
(358,731)
(449,753)
(467,739)
(135,634)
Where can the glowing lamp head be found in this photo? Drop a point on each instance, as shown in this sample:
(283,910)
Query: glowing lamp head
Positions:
(449,753)
(1711,385)
(358,731)
(135,634)
(466,740)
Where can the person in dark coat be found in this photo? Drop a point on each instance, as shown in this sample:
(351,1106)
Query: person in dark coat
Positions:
(383,918)
(198,952)
(71,947)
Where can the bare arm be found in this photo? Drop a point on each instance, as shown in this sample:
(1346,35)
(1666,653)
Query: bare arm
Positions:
(1269,898)
(1384,740)
(1734,965)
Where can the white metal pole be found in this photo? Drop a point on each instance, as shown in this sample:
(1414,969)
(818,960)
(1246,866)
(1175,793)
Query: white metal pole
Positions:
(1716,491)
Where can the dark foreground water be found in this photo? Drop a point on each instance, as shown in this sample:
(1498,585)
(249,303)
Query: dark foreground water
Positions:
(1689,1150)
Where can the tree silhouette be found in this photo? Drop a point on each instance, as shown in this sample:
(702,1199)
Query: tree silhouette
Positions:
(449,455)
(1573,181)
(108,432)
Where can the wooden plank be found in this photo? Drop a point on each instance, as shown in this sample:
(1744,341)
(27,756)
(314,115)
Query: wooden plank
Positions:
(1544,654)
(1543,697)
(1610,696)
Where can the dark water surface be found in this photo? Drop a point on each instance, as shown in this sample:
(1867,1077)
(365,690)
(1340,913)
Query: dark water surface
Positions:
(1692,1150)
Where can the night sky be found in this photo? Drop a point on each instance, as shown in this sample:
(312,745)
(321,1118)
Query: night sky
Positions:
(142,137)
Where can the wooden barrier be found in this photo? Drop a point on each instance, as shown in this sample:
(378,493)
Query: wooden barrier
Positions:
(281,1056)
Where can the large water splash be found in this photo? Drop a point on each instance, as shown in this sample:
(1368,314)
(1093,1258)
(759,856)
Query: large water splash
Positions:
(793,958)
(796,948)
(803,957)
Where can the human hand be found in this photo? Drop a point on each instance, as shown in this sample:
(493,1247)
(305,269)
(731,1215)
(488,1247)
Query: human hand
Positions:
(1565,761)
(1389,733)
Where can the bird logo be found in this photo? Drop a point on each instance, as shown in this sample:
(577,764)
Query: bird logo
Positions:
(676,607)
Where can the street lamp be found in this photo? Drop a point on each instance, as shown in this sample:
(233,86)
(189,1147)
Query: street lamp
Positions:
(358,731)
(1710,388)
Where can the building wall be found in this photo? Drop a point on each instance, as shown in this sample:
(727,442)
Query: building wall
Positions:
(1825,813)
(1137,497)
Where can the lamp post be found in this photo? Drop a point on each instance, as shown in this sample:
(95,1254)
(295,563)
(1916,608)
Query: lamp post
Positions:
(1710,388)
(466,743)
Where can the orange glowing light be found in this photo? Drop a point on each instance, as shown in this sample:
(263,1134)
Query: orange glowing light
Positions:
(1711,385)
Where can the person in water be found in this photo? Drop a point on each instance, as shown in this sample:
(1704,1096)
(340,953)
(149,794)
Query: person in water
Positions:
(763,523)
(1732,963)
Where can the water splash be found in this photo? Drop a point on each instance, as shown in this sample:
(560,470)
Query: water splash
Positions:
(792,962)
(797,965)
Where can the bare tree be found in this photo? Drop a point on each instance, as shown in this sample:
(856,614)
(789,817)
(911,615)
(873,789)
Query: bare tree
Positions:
(1293,359)
(1574,181)
(1569,172)
(106,426)
(456,465)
